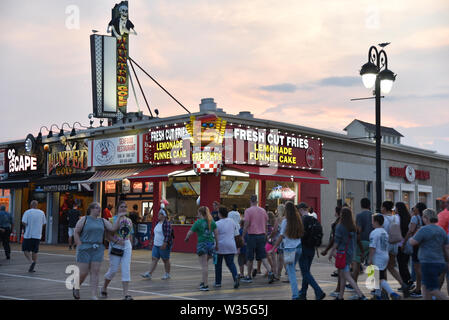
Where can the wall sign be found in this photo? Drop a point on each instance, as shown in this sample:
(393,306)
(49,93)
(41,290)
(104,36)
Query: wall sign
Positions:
(113,151)
(69,158)
(409,173)
(21,163)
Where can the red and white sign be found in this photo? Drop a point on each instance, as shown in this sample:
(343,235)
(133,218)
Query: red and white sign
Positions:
(409,173)
(113,151)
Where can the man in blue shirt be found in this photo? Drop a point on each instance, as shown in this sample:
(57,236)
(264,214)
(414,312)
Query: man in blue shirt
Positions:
(5,230)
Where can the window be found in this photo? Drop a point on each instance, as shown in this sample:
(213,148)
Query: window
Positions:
(339,190)
(406,198)
(422,197)
(109,186)
(389,195)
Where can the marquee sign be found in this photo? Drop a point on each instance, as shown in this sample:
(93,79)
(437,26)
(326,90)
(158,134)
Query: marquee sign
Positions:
(209,141)
(71,157)
(113,151)
(21,163)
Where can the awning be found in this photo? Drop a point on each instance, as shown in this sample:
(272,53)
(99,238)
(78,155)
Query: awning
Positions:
(55,180)
(110,174)
(161,173)
(279,174)
(14,184)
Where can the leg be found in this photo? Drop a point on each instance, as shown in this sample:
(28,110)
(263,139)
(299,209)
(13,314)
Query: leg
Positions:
(229,259)
(309,254)
(218,269)
(292,278)
(355,270)
(403,260)
(166,265)
(114,263)
(353,284)
(94,278)
(203,263)
(126,268)
(84,271)
(342,283)
(259,264)
(280,264)
(28,256)
(425,293)
(417,267)
(153,266)
(392,269)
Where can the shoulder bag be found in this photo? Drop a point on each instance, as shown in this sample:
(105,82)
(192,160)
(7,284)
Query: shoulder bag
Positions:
(394,232)
(340,258)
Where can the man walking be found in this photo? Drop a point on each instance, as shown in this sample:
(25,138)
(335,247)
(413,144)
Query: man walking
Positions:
(72,218)
(256,227)
(5,230)
(313,233)
(33,219)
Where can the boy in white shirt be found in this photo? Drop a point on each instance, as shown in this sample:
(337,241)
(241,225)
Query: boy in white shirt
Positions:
(378,255)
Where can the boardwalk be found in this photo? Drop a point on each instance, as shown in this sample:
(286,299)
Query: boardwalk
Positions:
(48,282)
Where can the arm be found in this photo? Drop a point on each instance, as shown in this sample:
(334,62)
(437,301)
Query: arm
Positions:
(77,233)
(189,234)
(278,242)
(167,234)
(113,227)
(334,248)
(245,228)
(371,254)
(413,242)
(410,232)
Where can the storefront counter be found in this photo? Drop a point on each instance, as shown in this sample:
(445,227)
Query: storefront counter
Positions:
(180,231)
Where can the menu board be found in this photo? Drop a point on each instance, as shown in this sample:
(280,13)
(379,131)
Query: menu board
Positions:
(238,188)
(184,188)
(225,186)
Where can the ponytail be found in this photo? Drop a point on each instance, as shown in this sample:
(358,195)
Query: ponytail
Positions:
(204,211)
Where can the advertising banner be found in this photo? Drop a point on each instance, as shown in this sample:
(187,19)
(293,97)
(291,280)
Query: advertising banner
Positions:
(113,151)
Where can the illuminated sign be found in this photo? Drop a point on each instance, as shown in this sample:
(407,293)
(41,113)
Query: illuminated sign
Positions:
(113,151)
(409,173)
(21,163)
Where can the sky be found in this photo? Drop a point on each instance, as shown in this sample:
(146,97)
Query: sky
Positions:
(293,61)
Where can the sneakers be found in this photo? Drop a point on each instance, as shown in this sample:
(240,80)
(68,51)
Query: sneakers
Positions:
(334,274)
(217,285)
(416,294)
(323,295)
(146,275)
(349,288)
(354,297)
(128,298)
(166,276)
(362,298)
(247,279)
(236,283)
(395,296)
(31,269)
(405,291)
(203,287)
(270,277)
(254,273)
(334,294)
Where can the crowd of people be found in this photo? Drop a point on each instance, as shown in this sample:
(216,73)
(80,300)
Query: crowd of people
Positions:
(412,247)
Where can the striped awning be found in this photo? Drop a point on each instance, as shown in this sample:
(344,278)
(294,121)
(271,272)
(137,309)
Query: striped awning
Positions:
(111,174)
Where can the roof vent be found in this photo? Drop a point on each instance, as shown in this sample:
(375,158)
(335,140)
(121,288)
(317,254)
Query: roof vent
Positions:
(208,104)
(246,114)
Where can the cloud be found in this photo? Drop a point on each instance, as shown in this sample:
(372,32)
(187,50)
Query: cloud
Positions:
(420,97)
(339,81)
(282,87)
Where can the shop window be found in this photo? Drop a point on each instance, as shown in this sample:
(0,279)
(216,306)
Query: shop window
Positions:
(278,192)
(109,187)
(422,197)
(149,187)
(6,192)
(406,198)
(389,195)
(339,190)
(137,187)
(147,211)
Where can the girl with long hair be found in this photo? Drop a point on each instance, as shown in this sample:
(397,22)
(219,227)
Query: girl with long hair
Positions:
(416,222)
(345,242)
(205,229)
(291,233)
(120,240)
(89,237)
(403,258)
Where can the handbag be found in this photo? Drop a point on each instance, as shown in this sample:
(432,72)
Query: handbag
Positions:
(117,251)
(340,258)
(289,255)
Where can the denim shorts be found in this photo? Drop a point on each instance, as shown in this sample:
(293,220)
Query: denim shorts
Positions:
(158,253)
(347,268)
(431,275)
(205,248)
(256,242)
(90,254)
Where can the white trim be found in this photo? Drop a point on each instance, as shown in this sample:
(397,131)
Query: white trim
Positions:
(425,189)
(164,189)
(407,187)
(392,186)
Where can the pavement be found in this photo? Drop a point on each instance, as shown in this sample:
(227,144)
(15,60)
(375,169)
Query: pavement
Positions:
(49,280)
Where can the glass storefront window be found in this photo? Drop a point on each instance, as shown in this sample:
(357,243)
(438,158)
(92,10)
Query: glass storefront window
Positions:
(278,192)
(406,198)
(422,197)
(339,189)
(181,195)
(389,195)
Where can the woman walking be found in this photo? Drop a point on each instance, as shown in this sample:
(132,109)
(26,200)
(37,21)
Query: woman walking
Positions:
(227,230)
(291,233)
(344,243)
(415,224)
(162,242)
(205,229)
(120,251)
(433,254)
(280,217)
(403,256)
(271,233)
(89,237)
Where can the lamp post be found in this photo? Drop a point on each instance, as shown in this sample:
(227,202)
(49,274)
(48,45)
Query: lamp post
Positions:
(375,73)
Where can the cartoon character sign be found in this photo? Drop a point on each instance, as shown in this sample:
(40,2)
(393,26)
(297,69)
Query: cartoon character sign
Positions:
(120,24)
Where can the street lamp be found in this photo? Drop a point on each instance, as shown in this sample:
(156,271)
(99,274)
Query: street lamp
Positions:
(375,73)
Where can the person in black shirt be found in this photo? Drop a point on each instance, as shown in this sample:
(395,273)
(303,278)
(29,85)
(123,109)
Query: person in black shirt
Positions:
(73,216)
(214,213)
(134,217)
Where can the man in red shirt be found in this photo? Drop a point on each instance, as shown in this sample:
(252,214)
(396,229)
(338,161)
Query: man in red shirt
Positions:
(443,217)
(107,212)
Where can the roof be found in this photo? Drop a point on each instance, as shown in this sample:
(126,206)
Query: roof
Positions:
(372,128)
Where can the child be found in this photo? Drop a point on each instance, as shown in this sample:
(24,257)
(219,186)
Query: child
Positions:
(378,255)
(242,252)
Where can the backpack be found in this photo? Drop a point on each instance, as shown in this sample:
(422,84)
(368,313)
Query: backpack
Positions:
(394,232)
(313,232)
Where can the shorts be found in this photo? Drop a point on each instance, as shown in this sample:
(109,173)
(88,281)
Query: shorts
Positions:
(256,242)
(242,259)
(90,254)
(431,275)
(205,248)
(393,248)
(71,232)
(347,268)
(31,245)
(158,253)
(268,247)
(358,255)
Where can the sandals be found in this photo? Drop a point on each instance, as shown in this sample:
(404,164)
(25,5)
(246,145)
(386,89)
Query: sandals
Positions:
(76,293)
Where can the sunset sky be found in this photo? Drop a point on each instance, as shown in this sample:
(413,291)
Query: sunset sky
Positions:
(294,61)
